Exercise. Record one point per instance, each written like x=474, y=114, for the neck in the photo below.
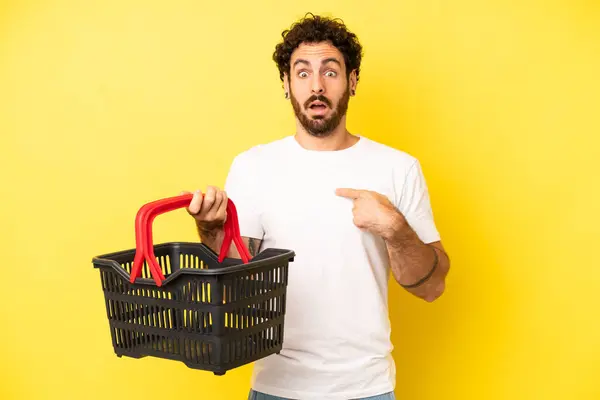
x=339, y=139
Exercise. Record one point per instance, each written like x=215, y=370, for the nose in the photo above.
x=317, y=85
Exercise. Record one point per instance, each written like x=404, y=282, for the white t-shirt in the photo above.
x=336, y=333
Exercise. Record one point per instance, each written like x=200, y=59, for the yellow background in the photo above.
x=109, y=104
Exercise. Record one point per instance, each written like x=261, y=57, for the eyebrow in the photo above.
x=332, y=59
x=325, y=61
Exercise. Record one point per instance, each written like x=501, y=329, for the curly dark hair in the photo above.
x=314, y=29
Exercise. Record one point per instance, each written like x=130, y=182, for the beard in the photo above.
x=321, y=126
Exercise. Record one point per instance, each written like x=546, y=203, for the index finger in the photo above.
x=196, y=203
x=348, y=192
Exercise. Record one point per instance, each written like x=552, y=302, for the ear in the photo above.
x=286, y=83
x=352, y=81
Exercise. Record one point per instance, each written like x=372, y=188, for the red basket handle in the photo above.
x=144, y=243
x=140, y=243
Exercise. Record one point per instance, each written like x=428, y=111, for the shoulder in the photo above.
x=262, y=153
x=265, y=150
x=391, y=157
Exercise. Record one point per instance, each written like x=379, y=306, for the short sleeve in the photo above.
x=415, y=205
x=242, y=189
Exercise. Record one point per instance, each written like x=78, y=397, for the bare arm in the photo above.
x=420, y=268
x=210, y=212
x=214, y=239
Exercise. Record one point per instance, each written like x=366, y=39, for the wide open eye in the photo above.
x=331, y=73
x=303, y=74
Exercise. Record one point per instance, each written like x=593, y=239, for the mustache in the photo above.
x=317, y=98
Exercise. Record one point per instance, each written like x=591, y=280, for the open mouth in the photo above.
x=317, y=106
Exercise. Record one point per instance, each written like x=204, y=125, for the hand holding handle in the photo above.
x=144, y=242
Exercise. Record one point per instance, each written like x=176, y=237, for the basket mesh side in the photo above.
x=254, y=314
x=217, y=320
x=193, y=351
x=253, y=346
x=156, y=307
x=242, y=286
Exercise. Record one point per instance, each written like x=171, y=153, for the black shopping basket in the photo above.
x=181, y=301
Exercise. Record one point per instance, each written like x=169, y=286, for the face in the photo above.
x=319, y=87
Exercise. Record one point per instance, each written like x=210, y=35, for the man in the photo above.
x=350, y=208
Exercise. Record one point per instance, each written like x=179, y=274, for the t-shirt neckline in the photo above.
x=328, y=153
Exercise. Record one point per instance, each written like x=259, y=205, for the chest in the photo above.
x=301, y=205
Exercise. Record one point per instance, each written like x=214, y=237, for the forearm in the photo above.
x=420, y=268
x=213, y=238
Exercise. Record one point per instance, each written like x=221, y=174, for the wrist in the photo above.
x=208, y=227
x=398, y=229
x=209, y=236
